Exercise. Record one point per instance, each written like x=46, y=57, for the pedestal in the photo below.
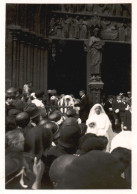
x=94, y=92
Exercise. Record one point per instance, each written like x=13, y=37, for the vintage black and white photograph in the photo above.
x=68, y=96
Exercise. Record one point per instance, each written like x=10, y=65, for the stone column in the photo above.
x=8, y=59
x=38, y=67
x=25, y=63
x=34, y=76
x=45, y=66
x=32, y=55
x=42, y=67
x=14, y=55
x=29, y=62
x=14, y=32
x=21, y=64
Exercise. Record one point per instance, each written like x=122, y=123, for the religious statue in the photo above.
x=52, y=30
x=83, y=31
x=74, y=28
x=128, y=32
x=117, y=9
x=94, y=53
x=95, y=21
x=59, y=27
x=121, y=32
x=89, y=7
x=66, y=27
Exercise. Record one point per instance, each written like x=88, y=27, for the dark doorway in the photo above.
x=67, y=73
x=116, y=68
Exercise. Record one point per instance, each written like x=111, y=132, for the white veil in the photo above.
x=93, y=117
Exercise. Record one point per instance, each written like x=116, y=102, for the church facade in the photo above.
x=69, y=47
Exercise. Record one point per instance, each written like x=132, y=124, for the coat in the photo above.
x=84, y=108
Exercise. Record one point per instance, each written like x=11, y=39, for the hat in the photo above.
x=69, y=136
x=32, y=110
x=70, y=121
x=43, y=121
x=18, y=169
x=22, y=119
x=51, y=125
x=13, y=112
x=91, y=142
x=71, y=112
x=12, y=165
x=94, y=170
x=58, y=166
x=55, y=116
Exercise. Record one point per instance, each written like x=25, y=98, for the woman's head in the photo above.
x=98, y=110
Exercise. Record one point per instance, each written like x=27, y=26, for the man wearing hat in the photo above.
x=23, y=122
x=94, y=170
x=10, y=119
x=91, y=142
x=129, y=98
x=72, y=116
x=58, y=166
x=34, y=114
x=109, y=110
x=67, y=143
x=117, y=106
x=84, y=106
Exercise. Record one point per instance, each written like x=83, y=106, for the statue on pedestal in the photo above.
x=94, y=53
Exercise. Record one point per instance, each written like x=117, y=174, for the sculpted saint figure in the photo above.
x=94, y=54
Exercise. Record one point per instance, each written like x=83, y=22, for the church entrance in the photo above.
x=116, y=68
x=67, y=68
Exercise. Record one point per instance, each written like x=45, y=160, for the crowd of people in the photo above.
x=60, y=142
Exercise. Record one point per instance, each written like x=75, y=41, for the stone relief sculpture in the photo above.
x=80, y=26
x=101, y=9
x=109, y=30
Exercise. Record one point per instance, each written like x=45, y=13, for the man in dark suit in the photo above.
x=109, y=110
x=84, y=106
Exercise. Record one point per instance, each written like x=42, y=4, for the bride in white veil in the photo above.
x=99, y=123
